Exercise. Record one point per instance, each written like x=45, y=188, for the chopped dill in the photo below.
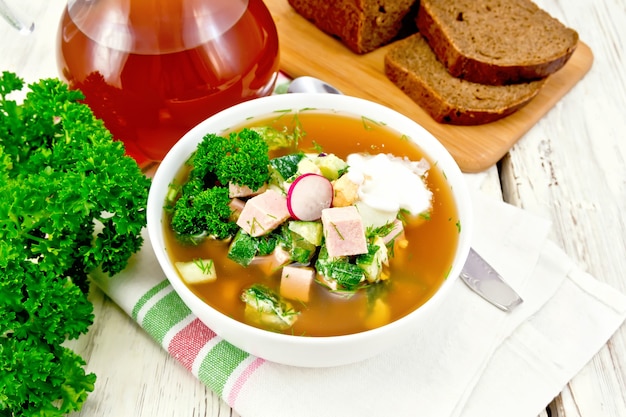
x=338, y=232
x=317, y=147
x=383, y=230
x=204, y=265
x=368, y=122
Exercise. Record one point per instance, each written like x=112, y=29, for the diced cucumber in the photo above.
x=243, y=248
x=312, y=232
x=330, y=165
x=198, y=271
x=300, y=250
x=275, y=139
x=267, y=309
x=372, y=262
x=302, y=255
x=286, y=166
x=346, y=275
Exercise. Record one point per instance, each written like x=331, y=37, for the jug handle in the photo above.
x=14, y=20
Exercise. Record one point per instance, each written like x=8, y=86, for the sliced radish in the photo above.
x=308, y=195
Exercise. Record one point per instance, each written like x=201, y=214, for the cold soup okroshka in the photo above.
x=301, y=259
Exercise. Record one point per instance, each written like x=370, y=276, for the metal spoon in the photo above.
x=481, y=277
x=306, y=84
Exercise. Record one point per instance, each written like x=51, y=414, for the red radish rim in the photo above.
x=296, y=181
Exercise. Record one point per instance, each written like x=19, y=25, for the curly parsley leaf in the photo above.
x=71, y=202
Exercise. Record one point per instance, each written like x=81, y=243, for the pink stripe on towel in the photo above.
x=241, y=380
x=187, y=343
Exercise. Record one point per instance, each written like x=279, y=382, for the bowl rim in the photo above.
x=264, y=106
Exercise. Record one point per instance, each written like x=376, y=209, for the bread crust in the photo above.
x=445, y=98
x=362, y=25
x=436, y=21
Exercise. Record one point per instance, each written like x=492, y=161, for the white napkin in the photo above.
x=471, y=359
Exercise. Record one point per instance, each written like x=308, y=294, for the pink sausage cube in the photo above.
x=272, y=262
x=236, y=206
x=263, y=213
x=295, y=282
x=235, y=190
x=344, y=231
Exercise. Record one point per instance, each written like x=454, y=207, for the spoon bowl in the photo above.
x=308, y=84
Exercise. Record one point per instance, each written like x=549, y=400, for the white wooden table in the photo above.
x=570, y=168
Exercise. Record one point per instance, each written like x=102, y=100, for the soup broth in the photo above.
x=416, y=271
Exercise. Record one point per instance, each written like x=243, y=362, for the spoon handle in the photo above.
x=483, y=279
x=14, y=20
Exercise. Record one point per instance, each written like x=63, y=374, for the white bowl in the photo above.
x=296, y=350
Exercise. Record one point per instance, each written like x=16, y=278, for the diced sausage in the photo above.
x=344, y=231
x=295, y=282
x=272, y=262
x=235, y=190
x=236, y=207
x=263, y=213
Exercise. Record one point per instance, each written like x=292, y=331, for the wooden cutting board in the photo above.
x=305, y=50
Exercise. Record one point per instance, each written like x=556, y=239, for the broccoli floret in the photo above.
x=241, y=158
x=205, y=213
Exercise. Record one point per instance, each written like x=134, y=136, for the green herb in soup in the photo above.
x=311, y=224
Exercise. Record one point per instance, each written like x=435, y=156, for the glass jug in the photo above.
x=152, y=69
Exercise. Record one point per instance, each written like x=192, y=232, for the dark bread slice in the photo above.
x=495, y=41
x=411, y=64
x=362, y=25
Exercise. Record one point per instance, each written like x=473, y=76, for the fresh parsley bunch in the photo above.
x=70, y=202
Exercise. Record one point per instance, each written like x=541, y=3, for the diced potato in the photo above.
x=295, y=282
x=198, y=271
x=345, y=192
x=312, y=232
x=379, y=315
x=306, y=166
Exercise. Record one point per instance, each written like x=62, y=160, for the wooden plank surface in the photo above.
x=305, y=50
x=570, y=168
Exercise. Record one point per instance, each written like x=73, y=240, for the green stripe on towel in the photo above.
x=166, y=313
x=219, y=364
x=147, y=296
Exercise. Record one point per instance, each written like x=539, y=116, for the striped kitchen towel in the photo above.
x=470, y=360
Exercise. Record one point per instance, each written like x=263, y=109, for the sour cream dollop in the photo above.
x=388, y=184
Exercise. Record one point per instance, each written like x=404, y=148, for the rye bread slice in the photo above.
x=362, y=25
x=495, y=41
x=411, y=64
